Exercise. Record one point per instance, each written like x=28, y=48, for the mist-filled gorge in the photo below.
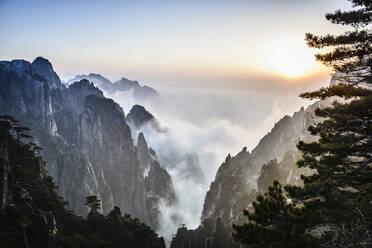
x=185, y=124
x=201, y=126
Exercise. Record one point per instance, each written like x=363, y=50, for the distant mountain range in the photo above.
x=126, y=85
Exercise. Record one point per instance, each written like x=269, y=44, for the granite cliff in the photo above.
x=87, y=142
x=33, y=215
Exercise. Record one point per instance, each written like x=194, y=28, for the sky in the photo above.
x=174, y=42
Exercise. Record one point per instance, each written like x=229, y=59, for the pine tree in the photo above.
x=275, y=222
x=350, y=52
x=341, y=188
x=93, y=203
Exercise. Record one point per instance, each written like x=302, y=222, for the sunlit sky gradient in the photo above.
x=175, y=42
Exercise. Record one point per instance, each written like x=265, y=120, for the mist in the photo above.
x=210, y=123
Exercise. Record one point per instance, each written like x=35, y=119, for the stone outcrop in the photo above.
x=139, y=116
x=140, y=119
x=160, y=192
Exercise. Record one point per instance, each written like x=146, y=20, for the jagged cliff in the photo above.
x=140, y=119
x=238, y=175
x=160, y=192
x=158, y=182
x=32, y=214
x=87, y=142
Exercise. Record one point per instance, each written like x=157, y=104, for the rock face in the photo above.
x=230, y=190
x=158, y=182
x=44, y=68
x=126, y=85
x=140, y=119
x=239, y=174
x=160, y=192
x=145, y=154
x=33, y=215
x=139, y=116
x=286, y=171
x=86, y=140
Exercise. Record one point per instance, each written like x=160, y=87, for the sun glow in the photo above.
x=289, y=58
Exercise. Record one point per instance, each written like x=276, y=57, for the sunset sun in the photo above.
x=289, y=58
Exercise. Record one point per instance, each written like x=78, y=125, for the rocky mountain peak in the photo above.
x=138, y=91
x=86, y=88
x=42, y=64
x=19, y=66
x=141, y=142
x=97, y=79
x=44, y=68
x=228, y=158
x=159, y=187
x=126, y=84
x=139, y=116
x=97, y=75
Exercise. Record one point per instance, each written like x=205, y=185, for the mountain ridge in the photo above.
x=121, y=85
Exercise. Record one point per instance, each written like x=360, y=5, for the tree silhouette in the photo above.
x=93, y=203
x=342, y=156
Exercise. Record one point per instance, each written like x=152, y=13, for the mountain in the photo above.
x=241, y=177
x=242, y=170
x=123, y=85
x=33, y=215
x=87, y=142
x=285, y=171
x=98, y=80
x=160, y=192
x=140, y=92
x=158, y=182
x=139, y=118
x=45, y=69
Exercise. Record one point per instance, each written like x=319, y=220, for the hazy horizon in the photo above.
x=172, y=42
